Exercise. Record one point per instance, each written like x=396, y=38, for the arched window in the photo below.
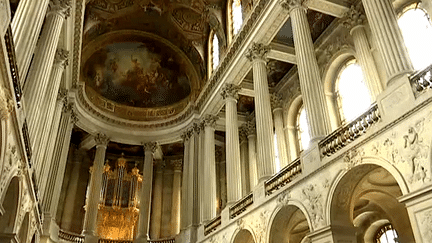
x=303, y=129
x=417, y=33
x=236, y=16
x=214, y=51
x=351, y=91
x=386, y=234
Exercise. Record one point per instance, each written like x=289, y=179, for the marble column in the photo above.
x=192, y=180
x=94, y=189
x=146, y=194
x=184, y=191
x=45, y=121
x=176, y=196
x=210, y=203
x=222, y=177
x=309, y=75
x=68, y=212
x=276, y=102
x=230, y=94
x=384, y=26
x=264, y=121
x=354, y=20
x=292, y=134
x=244, y=163
x=251, y=135
x=26, y=26
x=156, y=208
x=55, y=174
x=201, y=172
x=37, y=81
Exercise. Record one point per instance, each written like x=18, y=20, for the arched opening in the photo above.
x=364, y=200
x=23, y=231
x=289, y=226
x=244, y=236
x=10, y=206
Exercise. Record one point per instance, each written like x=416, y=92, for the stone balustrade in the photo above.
x=422, y=80
x=241, y=206
x=70, y=237
x=212, y=225
x=349, y=132
x=286, y=175
x=10, y=48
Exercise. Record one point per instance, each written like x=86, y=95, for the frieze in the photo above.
x=353, y=157
x=313, y=198
x=284, y=198
x=425, y=223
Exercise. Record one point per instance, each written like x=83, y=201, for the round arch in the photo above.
x=243, y=235
x=24, y=228
x=290, y=222
x=10, y=204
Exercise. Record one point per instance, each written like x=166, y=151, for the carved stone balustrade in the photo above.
x=240, y=206
x=169, y=240
x=212, y=225
x=348, y=133
x=10, y=48
x=71, y=237
x=286, y=175
x=114, y=241
x=422, y=80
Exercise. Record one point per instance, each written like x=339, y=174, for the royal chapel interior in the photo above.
x=215, y=121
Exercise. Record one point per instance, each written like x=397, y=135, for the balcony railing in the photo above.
x=114, y=241
x=169, y=240
x=212, y=225
x=71, y=237
x=284, y=176
x=348, y=133
x=241, y=205
x=13, y=65
x=422, y=80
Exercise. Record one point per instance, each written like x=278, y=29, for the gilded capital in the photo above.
x=353, y=17
x=230, y=91
x=257, y=51
x=210, y=120
x=177, y=164
x=150, y=147
x=101, y=139
x=292, y=4
x=61, y=6
x=61, y=57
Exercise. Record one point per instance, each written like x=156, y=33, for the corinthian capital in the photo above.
x=101, y=139
x=353, y=17
x=275, y=101
x=292, y=4
x=150, y=147
x=210, y=120
x=61, y=57
x=61, y=6
x=258, y=51
x=230, y=91
x=250, y=128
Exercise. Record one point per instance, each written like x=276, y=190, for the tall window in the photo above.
x=215, y=51
x=303, y=129
x=237, y=16
x=386, y=234
x=351, y=91
x=417, y=33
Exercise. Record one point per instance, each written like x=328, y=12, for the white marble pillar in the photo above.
x=210, y=203
x=201, y=172
x=176, y=196
x=222, y=177
x=264, y=121
x=292, y=134
x=35, y=86
x=45, y=121
x=309, y=75
x=276, y=102
x=146, y=194
x=94, y=189
x=193, y=202
x=156, y=208
x=251, y=135
x=384, y=26
x=354, y=20
x=184, y=190
x=230, y=94
x=55, y=174
x=26, y=26
x=244, y=161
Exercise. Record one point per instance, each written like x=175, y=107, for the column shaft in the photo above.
x=26, y=26
x=68, y=212
x=192, y=180
x=184, y=189
x=210, y=203
x=253, y=175
x=202, y=179
x=384, y=26
x=293, y=142
x=176, y=197
x=310, y=81
x=156, y=212
x=280, y=137
x=244, y=165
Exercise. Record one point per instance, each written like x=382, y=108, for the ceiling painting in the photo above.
x=140, y=74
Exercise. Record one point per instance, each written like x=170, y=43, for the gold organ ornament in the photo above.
x=119, y=202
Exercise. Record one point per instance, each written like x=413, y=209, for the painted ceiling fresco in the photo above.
x=141, y=74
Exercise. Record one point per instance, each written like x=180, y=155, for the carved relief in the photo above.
x=313, y=200
x=425, y=220
x=259, y=225
x=284, y=198
x=353, y=157
x=188, y=20
x=257, y=51
x=6, y=104
x=230, y=91
x=353, y=17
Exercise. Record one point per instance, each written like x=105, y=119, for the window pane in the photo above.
x=417, y=33
x=215, y=51
x=237, y=16
x=353, y=93
x=303, y=129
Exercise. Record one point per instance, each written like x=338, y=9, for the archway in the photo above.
x=244, y=236
x=10, y=206
x=289, y=226
x=364, y=199
x=23, y=231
